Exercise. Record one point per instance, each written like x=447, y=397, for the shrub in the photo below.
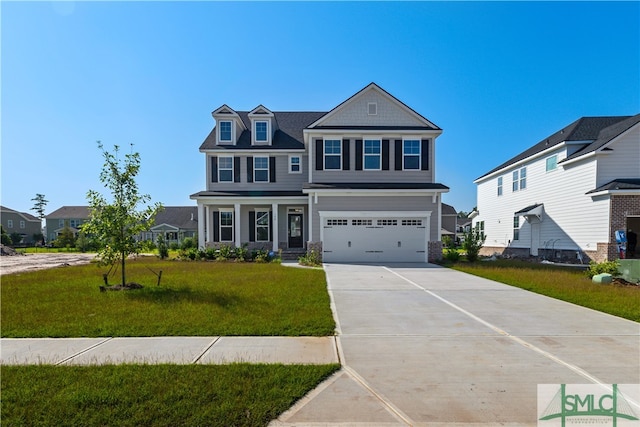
x=174, y=246
x=224, y=253
x=242, y=253
x=311, y=259
x=188, y=243
x=473, y=241
x=610, y=267
x=447, y=241
x=163, y=250
x=210, y=253
x=452, y=255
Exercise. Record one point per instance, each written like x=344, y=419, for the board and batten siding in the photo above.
x=572, y=219
x=375, y=203
x=284, y=181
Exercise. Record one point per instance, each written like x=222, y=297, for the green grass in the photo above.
x=193, y=299
x=566, y=284
x=154, y=395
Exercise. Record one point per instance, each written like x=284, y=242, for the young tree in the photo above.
x=115, y=225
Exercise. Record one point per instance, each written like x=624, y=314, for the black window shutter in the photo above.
x=216, y=226
x=236, y=169
x=385, y=154
x=249, y=169
x=271, y=225
x=272, y=169
x=346, y=159
x=252, y=226
x=358, y=154
x=424, y=154
x=319, y=155
x=214, y=169
x=398, y=154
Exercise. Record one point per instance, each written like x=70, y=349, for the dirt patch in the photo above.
x=31, y=262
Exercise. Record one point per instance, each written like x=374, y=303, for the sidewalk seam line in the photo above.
x=197, y=359
x=73, y=356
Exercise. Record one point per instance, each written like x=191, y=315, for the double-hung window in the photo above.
x=411, y=154
x=372, y=154
x=22, y=224
x=262, y=226
x=225, y=169
x=295, y=164
x=226, y=226
x=9, y=223
x=262, y=129
x=260, y=169
x=333, y=154
x=500, y=186
x=225, y=131
x=552, y=163
x=516, y=228
x=519, y=179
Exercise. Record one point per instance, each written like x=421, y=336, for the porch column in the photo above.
x=201, y=220
x=236, y=224
x=274, y=226
x=310, y=220
x=209, y=226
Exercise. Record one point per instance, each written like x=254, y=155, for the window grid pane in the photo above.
x=411, y=154
x=261, y=131
x=332, y=151
x=225, y=131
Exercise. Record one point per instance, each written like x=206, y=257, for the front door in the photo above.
x=295, y=231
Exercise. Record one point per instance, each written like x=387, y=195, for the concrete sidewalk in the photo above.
x=423, y=345
x=171, y=350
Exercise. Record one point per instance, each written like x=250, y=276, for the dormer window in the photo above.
x=226, y=131
x=262, y=131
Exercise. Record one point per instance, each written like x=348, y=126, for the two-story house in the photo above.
x=20, y=223
x=567, y=195
x=174, y=224
x=355, y=184
x=66, y=216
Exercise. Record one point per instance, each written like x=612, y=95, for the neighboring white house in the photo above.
x=355, y=184
x=565, y=197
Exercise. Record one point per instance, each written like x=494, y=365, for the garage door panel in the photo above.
x=374, y=240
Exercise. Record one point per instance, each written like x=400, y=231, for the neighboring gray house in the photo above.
x=66, y=216
x=355, y=184
x=174, y=223
x=449, y=221
x=20, y=222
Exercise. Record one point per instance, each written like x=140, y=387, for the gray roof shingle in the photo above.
x=619, y=184
x=183, y=217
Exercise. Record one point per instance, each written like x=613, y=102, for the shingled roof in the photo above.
x=595, y=132
x=183, y=217
x=288, y=135
x=76, y=212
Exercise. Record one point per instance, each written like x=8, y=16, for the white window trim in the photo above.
x=324, y=154
x=291, y=164
x=226, y=169
x=23, y=224
x=523, y=179
x=220, y=140
x=255, y=169
x=515, y=180
x=255, y=133
x=516, y=228
x=375, y=108
x=364, y=155
x=419, y=154
x=9, y=223
x=268, y=212
x=546, y=164
x=232, y=226
x=500, y=191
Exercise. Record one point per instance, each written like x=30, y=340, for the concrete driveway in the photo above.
x=423, y=345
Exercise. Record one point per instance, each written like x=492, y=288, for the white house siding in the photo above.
x=624, y=159
x=355, y=112
x=572, y=220
x=285, y=181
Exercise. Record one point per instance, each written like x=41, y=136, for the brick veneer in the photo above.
x=620, y=207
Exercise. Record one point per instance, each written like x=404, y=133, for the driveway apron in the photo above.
x=424, y=345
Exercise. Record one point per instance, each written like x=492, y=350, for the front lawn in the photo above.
x=154, y=395
x=193, y=299
x=567, y=284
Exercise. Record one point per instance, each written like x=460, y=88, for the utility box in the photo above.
x=602, y=278
x=629, y=270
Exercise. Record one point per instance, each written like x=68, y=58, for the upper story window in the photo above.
x=61, y=223
x=552, y=163
x=372, y=154
x=500, y=186
x=22, y=224
x=261, y=131
x=519, y=179
x=295, y=164
x=226, y=132
x=9, y=223
x=260, y=169
x=332, y=154
x=411, y=154
x=225, y=169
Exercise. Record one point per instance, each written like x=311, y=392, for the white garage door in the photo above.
x=349, y=238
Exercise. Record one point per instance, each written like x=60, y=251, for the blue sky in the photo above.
x=496, y=77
